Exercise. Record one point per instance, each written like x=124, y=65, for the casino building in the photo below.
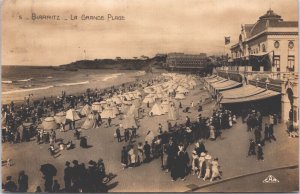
x=265, y=63
x=270, y=44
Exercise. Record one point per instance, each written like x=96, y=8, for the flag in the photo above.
x=227, y=40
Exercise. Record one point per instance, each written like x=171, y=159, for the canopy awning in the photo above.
x=217, y=79
x=225, y=85
x=261, y=96
x=211, y=77
x=242, y=92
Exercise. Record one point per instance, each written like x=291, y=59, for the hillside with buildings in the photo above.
x=144, y=63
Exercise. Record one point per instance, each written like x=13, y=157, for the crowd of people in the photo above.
x=255, y=124
x=169, y=146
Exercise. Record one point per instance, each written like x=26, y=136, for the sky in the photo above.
x=150, y=27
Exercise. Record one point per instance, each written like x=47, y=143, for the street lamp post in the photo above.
x=267, y=82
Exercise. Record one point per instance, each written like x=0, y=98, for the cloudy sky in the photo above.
x=150, y=27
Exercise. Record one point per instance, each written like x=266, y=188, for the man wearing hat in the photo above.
x=75, y=174
x=68, y=177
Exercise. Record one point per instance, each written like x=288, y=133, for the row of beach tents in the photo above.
x=129, y=104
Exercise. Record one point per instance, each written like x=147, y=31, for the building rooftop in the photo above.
x=268, y=20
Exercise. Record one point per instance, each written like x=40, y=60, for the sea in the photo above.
x=21, y=82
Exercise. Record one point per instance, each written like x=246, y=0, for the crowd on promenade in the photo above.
x=170, y=146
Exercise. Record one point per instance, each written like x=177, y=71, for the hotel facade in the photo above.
x=186, y=61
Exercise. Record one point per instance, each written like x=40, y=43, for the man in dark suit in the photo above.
x=23, y=182
x=147, y=151
x=68, y=177
x=10, y=185
x=118, y=133
x=271, y=132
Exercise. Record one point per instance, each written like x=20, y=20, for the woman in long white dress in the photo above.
x=215, y=170
x=132, y=157
x=212, y=134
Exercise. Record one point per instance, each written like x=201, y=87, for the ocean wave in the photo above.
x=44, y=88
x=14, y=81
x=141, y=73
x=24, y=80
x=27, y=90
x=72, y=84
x=7, y=82
x=115, y=75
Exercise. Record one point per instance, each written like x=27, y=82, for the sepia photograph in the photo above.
x=149, y=96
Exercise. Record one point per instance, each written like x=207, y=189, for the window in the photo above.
x=291, y=63
x=264, y=48
x=276, y=44
x=276, y=60
x=291, y=44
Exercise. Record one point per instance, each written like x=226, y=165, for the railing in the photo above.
x=269, y=74
x=265, y=85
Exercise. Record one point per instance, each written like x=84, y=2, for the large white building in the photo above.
x=270, y=44
x=266, y=56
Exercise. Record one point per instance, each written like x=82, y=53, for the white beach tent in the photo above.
x=60, y=117
x=116, y=100
x=86, y=110
x=115, y=110
x=173, y=114
x=72, y=115
x=165, y=106
x=156, y=110
x=179, y=96
x=129, y=122
x=149, y=99
x=148, y=90
x=108, y=112
x=49, y=123
x=90, y=122
x=96, y=106
x=181, y=89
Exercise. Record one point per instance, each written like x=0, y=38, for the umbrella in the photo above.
x=27, y=124
x=48, y=170
x=60, y=117
x=72, y=115
x=49, y=123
